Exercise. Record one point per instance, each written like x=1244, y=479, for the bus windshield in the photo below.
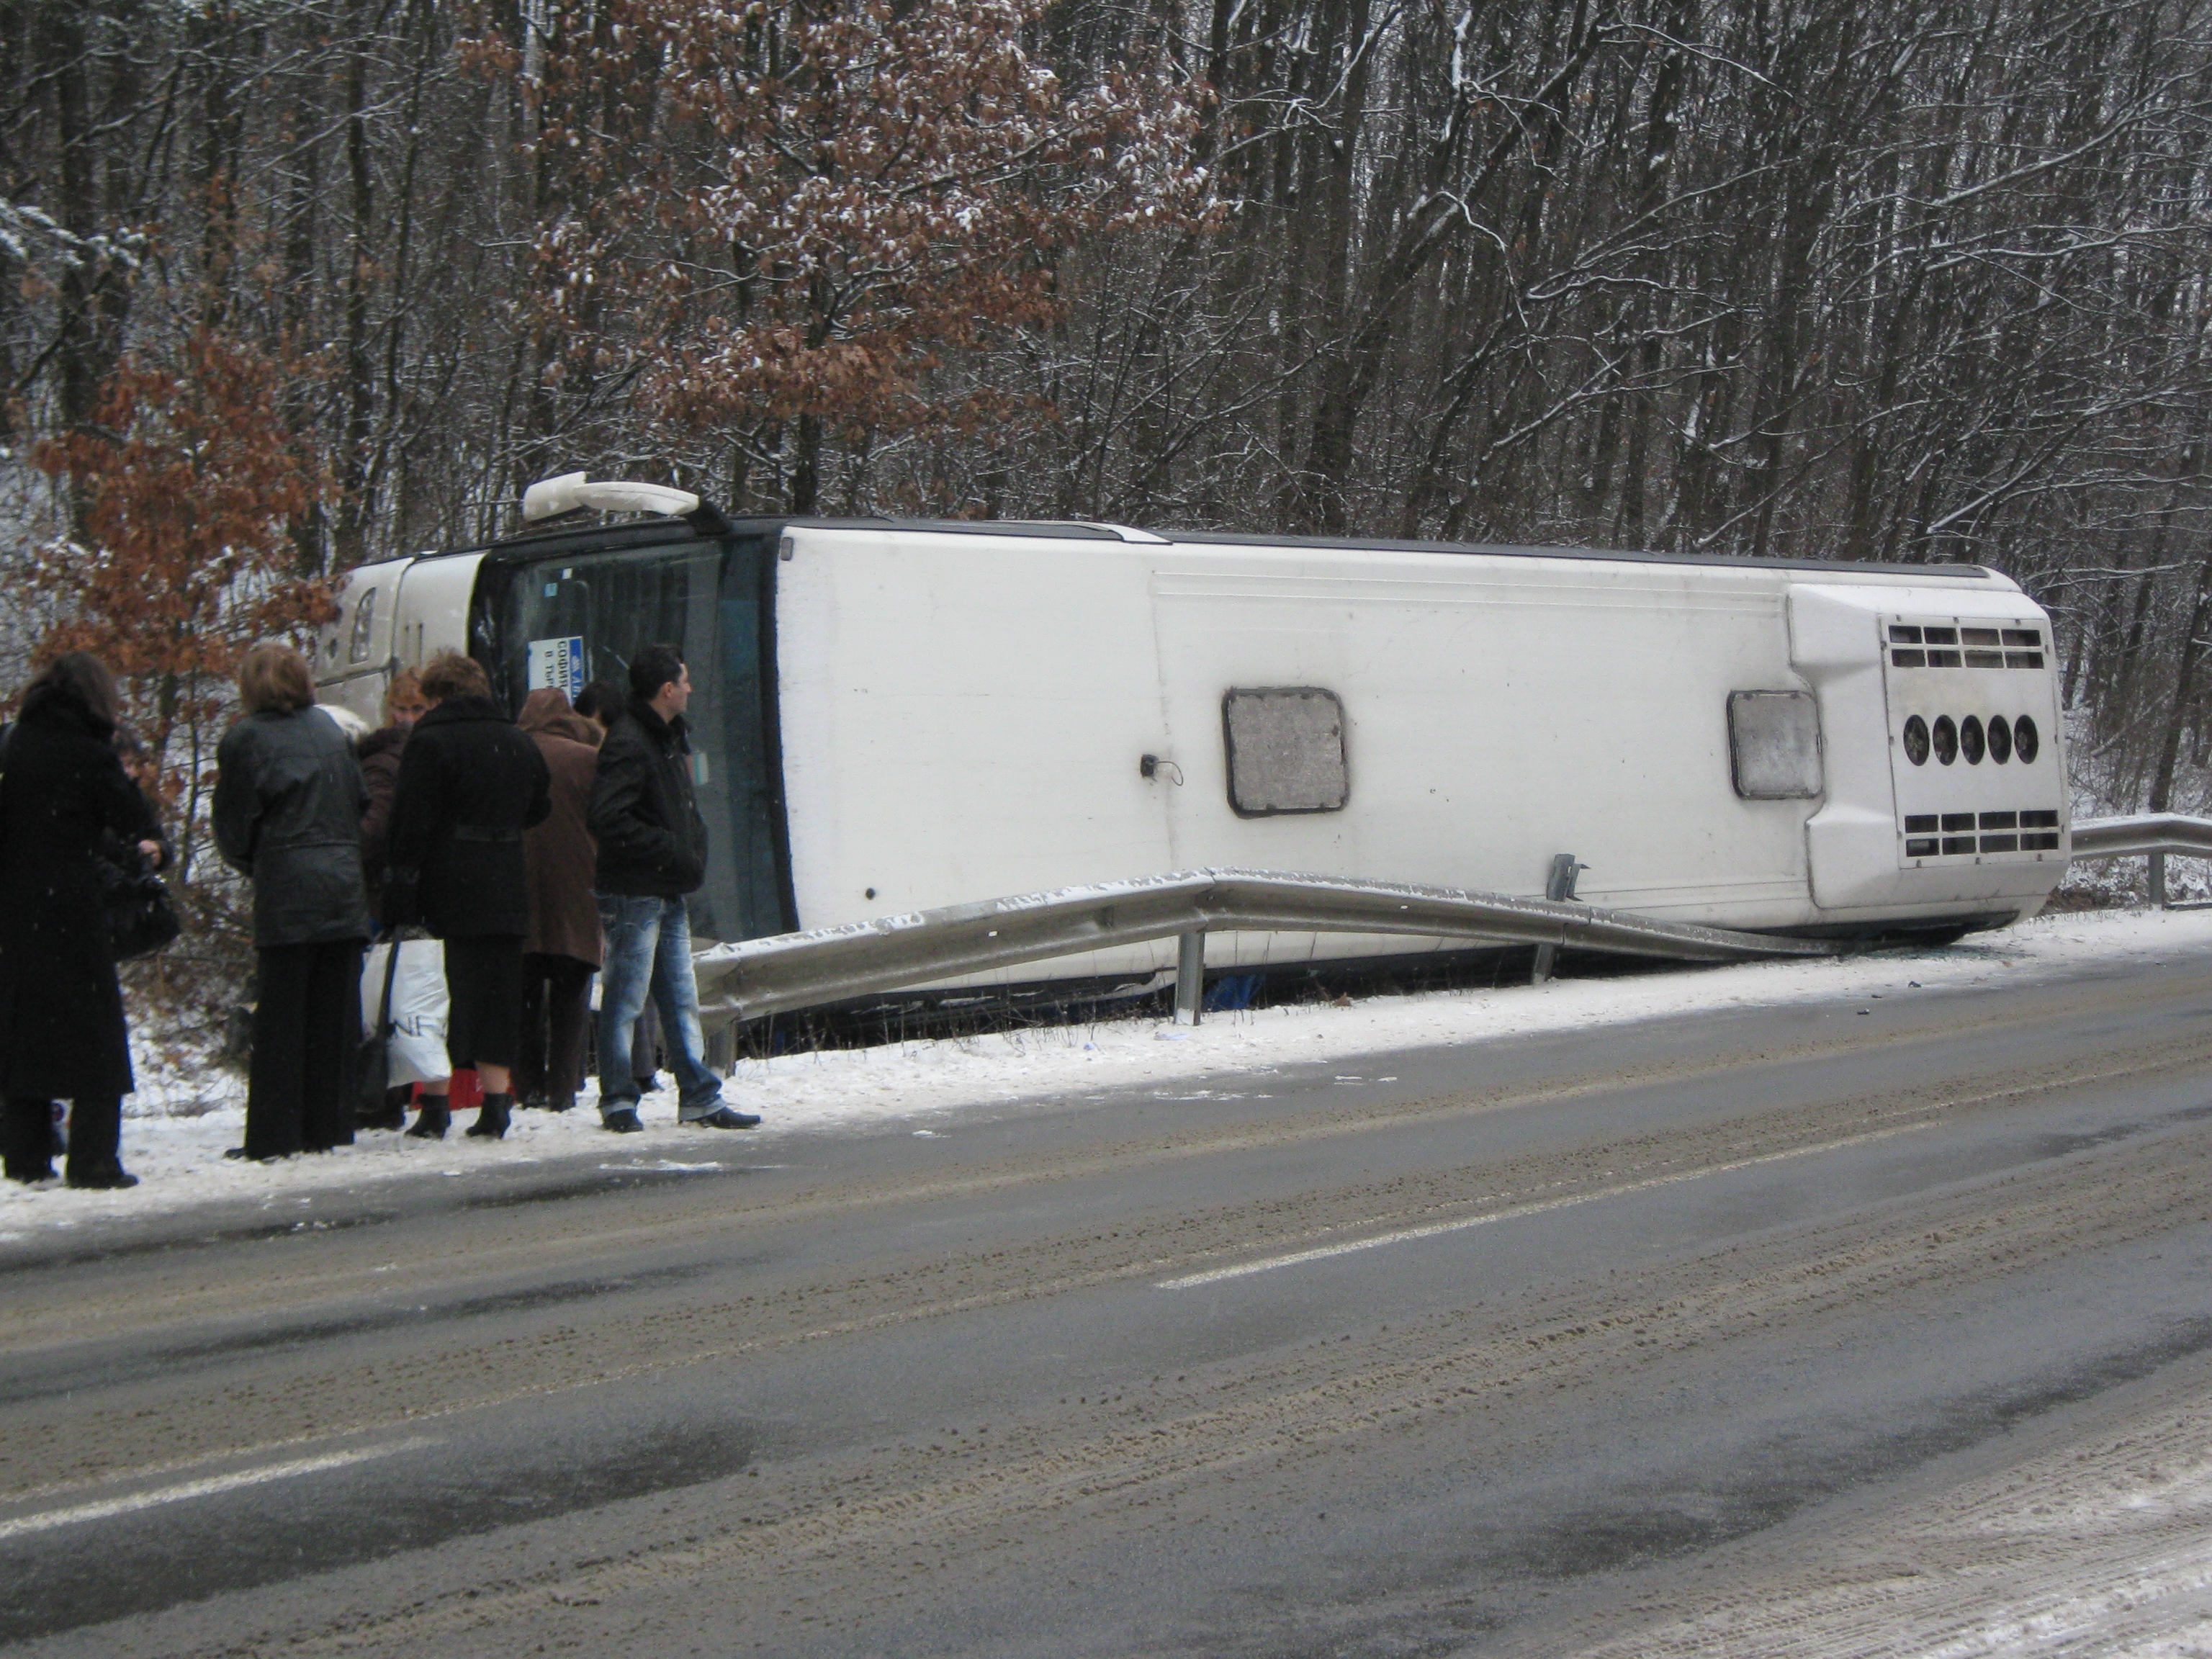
x=567, y=618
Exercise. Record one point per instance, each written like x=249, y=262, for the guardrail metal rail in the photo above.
x=2157, y=836
x=790, y=971
x=888, y=953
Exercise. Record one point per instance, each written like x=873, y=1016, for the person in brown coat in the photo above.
x=563, y=949
x=379, y=752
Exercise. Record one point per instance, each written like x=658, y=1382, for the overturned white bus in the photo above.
x=893, y=716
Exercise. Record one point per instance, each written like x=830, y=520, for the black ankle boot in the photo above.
x=433, y=1120
x=95, y=1126
x=491, y=1120
x=99, y=1177
x=26, y=1139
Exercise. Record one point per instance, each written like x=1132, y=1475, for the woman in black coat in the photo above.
x=62, y=791
x=288, y=805
x=470, y=784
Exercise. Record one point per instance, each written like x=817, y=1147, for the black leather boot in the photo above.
x=491, y=1120
x=433, y=1120
x=95, y=1128
x=27, y=1131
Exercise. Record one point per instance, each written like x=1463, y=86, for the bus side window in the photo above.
x=1774, y=744
x=364, y=624
x=1285, y=750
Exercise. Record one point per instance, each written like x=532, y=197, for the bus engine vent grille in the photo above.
x=1951, y=835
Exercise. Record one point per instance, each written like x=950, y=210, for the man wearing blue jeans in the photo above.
x=653, y=852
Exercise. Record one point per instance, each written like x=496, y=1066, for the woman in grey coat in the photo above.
x=288, y=805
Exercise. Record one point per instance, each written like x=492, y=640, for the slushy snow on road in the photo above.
x=175, y=1136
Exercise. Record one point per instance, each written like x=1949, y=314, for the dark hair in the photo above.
x=82, y=679
x=450, y=674
x=601, y=701
x=127, y=743
x=651, y=669
x=275, y=677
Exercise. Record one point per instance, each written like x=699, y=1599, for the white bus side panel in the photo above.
x=963, y=718
x=420, y=607
x=1499, y=711
x=353, y=654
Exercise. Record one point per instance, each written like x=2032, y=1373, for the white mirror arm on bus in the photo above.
x=548, y=498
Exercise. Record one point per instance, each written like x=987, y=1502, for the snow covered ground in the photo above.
x=174, y=1139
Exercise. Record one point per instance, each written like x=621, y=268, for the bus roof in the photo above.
x=638, y=533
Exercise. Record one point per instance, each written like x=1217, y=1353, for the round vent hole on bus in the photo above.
x=2000, y=740
x=2026, y=741
x=1970, y=739
x=1916, y=740
x=1945, y=738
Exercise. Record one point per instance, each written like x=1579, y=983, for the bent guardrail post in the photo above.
x=1190, y=977
x=763, y=976
x=1559, y=884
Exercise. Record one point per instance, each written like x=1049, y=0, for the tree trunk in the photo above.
x=350, y=543
x=806, y=468
x=2178, y=711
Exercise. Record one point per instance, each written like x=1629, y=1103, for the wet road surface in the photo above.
x=1511, y=1348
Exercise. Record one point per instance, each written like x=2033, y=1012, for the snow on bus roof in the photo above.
x=656, y=531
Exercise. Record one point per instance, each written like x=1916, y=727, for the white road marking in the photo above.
x=1434, y=1229
x=203, y=1488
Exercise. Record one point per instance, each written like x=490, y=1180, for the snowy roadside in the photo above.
x=174, y=1142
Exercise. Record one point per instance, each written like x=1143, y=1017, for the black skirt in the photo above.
x=483, y=978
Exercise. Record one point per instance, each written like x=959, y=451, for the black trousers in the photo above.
x=95, y=1127
x=306, y=1029
x=27, y=1136
x=556, y=1016
x=94, y=1138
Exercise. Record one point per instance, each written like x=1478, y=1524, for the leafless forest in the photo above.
x=1839, y=279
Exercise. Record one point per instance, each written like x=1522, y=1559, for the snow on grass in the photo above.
x=175, y=1142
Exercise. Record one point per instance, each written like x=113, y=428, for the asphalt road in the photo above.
x=1529, y=1348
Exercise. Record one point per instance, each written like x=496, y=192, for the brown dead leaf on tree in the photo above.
x=811, y=206
x=186, y=482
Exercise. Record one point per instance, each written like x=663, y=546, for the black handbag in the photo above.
x=134, y=903
x=135, y=909
x=373, y=1060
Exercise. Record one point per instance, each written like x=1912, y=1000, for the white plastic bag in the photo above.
x=416, y=1053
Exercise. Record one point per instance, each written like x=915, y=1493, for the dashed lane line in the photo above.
x=49, y=1519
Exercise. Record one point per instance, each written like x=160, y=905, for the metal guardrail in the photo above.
x=2159, y=834
x=788, y=971
x=888, y=953
x=2144, y=832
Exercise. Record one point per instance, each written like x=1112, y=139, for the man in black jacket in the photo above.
x=653, y=852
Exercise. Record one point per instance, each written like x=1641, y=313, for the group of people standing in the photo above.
x=538, y=852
